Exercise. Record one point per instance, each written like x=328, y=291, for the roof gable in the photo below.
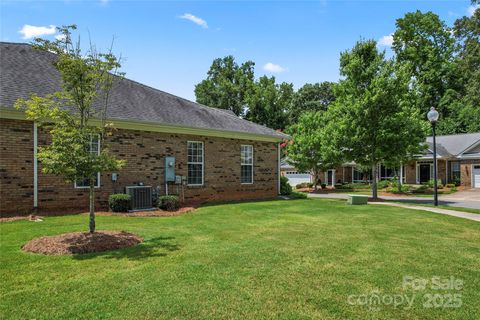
x=455, y=144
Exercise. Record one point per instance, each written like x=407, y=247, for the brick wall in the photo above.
x=16, y=166
x=466, y=172
x=144, y=153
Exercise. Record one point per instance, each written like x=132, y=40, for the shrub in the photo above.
x=431, y=182
x=347, y=186
x=119, y=202
x=323, y=185
x=304, y=185
x=298, y=195
x=169, y=203
x=285, y=187
x=421, y=189
x=383, y=184
x=394, y=189
x=450, y=185
x=301, y=185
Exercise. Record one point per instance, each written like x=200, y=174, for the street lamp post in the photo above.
x=433, y=117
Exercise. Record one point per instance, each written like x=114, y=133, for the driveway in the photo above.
x=466, y=199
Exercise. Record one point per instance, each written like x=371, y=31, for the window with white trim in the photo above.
x=455, y=170
x=195, y=163
x=93, y=148
x=246, y=170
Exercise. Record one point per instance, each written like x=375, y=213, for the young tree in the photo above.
x=227, y=85
x=311, y=149
x=374, y=119
x=86, y=81
x=311, y=97
x=268, y=102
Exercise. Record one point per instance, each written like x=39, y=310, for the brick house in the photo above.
x=458, y=160
x=220, y=156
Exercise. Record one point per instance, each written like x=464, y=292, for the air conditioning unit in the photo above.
x=141, y=196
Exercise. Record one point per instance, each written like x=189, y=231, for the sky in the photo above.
x=170, y=45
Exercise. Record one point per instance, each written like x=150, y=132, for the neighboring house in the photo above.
x=458, y=159
x=220, y=156
x=294, y=177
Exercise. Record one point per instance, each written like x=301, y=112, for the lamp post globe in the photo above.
x=432, y=116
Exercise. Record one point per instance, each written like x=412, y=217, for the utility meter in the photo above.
x=169, y=169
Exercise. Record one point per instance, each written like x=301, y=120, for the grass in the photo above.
x=443, y=206
x=296, y=259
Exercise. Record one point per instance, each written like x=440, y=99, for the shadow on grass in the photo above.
x=151, y=248
x=266, y=200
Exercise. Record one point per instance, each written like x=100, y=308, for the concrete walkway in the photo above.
x=465, y=199
x=459, y=214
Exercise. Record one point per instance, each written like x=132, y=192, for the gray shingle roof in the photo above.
x=453, y=145
x=24, y=70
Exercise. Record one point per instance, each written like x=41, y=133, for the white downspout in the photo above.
x=446, y=172
x=35, y=165
x=401, y=173
x=278, y=167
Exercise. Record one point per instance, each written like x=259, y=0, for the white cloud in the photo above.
x=273, y=68
x=472, y=9
x=386, y=41
x=60, y=37
x=194, y=19
x=29, y=31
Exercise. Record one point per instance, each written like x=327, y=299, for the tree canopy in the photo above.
x=227, y=85
x=373, y=120
x=311, y=149
x=311, y=97
x=268, y=102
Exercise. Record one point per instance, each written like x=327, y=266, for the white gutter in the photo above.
x=35, y=165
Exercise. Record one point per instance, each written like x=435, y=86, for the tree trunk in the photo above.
x=92, y=205
x=315, y=179
x=374, y=182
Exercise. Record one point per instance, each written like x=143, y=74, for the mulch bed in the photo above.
x=16, y=218
x=147, y=213
x=82, y=242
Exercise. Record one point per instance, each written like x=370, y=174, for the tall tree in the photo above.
x=268, y=102
x=374, y=121
x=227, y=85
x=466, y=103
x=86, y=81
x=423, y=44
x=311, y=97
x=311, y=149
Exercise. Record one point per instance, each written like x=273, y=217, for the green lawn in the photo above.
x=296, y=259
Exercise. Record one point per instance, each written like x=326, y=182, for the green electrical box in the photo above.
x=357, y=199
x=169, y=169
